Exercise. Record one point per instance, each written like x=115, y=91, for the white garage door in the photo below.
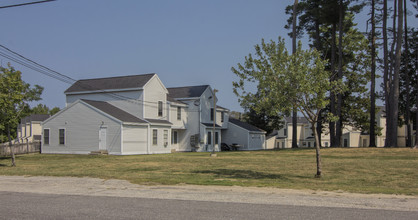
x=134, y=140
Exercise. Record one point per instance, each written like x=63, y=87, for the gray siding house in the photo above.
x=139, y=115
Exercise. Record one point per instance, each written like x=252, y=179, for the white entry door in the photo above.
x=102, y=139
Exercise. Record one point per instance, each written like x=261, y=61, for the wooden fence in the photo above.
x=23, y=148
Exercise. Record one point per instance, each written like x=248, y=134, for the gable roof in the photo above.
x=244, y=125
x=187, y=92
x=114, y=111
x=110, y=83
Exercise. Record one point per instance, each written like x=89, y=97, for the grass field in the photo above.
x=364, y=170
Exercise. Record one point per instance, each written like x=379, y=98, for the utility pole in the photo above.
x=213, y=154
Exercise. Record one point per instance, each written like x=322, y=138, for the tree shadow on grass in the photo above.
x=4, y=159
x=240, y=174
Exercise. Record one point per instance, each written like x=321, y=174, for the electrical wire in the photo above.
x=20, y=59
x=27, y=3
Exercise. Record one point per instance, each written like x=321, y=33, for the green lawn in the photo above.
x=364, y=170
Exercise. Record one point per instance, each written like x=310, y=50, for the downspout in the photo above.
x=148, y=139
x=248, y=141
x=200, y=119
x=121, y=138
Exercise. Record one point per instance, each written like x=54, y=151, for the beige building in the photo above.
x=30, y=128
x=352, y=137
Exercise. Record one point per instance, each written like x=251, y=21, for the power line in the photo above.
x=20, y=59
x=64, y=77
x=27, y=3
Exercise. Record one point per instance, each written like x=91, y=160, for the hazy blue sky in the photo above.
x=186, y=42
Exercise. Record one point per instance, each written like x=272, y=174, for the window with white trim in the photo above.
x=62, y=136
x=160, y=109
x=154, y=136
x=165, y=137
x=174, y=139
x=209, y=137
x=46, y=136
x=178, y=113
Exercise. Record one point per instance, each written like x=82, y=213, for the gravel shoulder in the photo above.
x=228, y=194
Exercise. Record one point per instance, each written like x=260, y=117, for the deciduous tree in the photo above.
x=275, y=71
x=14, y=97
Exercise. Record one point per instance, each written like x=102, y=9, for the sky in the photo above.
x=186, y=42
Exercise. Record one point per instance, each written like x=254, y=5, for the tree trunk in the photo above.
x=10, y=146
x=318, y=46
x=386, y=70
x=339, y=126
x=416, y=109
x=407, y=107
x=332, y=95
x=294, y=129
x=416, y=112
x=318, y=152
x=395, y=86
x=372, y=142
x=295, y=113
x=319, y=127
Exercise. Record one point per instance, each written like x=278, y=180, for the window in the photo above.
x=46, y=136
x=285, y=132
x=179, y=113
x=174, y=137
x=222, y=116
x=165, y=137
x=62, y=136
x=326, y=144
x=209, y=138
x=211, y=114
x=216, y=138
x=154, y=136
x=160, y=109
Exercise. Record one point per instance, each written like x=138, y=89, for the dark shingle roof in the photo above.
x=35, y=117
x=220, y=107
x=187, y=92
x=301, y=120
x=245, y=125
x=171, y=99
x=158, y=121
x=114, y=111
x=211, y=125
x=120, y=82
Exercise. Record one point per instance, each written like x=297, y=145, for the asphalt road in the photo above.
x=18, y=205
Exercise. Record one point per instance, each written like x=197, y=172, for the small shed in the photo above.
x=246, y=136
